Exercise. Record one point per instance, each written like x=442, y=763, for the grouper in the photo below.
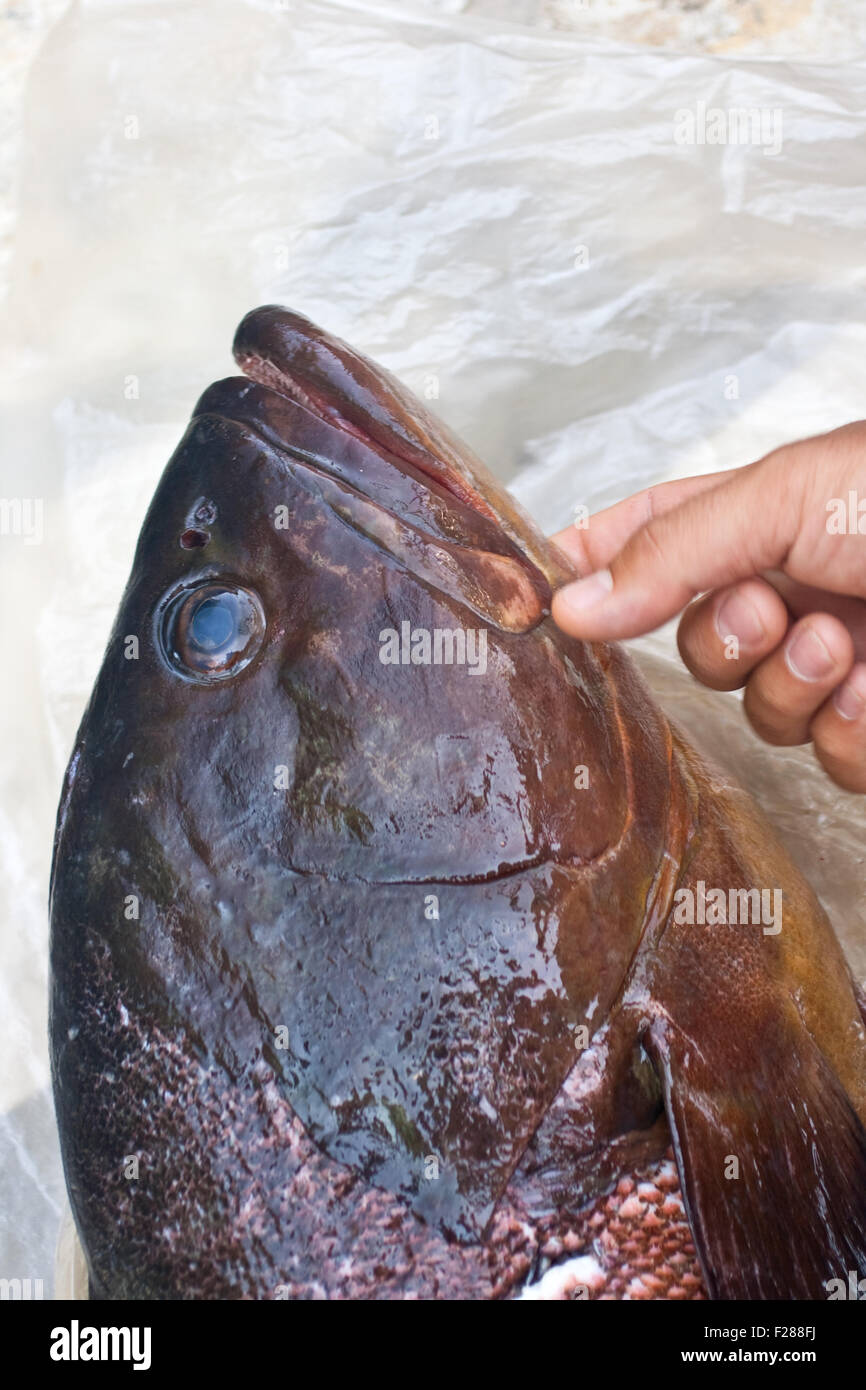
x=401, y=947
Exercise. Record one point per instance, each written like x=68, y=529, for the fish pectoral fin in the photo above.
x=772, y=1162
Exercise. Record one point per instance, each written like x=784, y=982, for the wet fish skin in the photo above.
x=283, y=829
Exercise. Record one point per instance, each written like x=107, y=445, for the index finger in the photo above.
x=592, y=547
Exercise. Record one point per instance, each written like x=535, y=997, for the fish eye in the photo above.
x=213, y=631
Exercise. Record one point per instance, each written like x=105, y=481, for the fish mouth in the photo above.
x=386, y=466
x=328, y=403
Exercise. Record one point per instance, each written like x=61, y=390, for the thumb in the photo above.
x=731, y=532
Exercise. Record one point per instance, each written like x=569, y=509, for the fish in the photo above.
x=401, y=947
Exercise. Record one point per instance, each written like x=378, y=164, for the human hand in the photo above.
x=776, y=552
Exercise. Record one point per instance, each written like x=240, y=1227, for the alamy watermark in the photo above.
x=441, y=646
x=853, y=1288
x=760, y=126
x=21, y=1290
x=846, y=516
x=715, y=907
x=22, y=516
x=77, y=1343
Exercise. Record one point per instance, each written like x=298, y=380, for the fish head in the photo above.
x=332, y=609
x=345, y=801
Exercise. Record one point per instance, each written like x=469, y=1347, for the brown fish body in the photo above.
x=368, y=978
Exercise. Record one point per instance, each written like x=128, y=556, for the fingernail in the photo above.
x=738, y=617
x=850, y=697
x=586, y=593
x=807, y=656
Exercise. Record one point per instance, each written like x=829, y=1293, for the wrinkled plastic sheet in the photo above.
x=503, y=217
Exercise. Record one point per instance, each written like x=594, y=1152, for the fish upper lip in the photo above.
x=253, y=421
x=421, y=516
x=282, y=350
x=284, y=383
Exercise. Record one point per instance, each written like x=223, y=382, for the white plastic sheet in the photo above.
x=506, y=219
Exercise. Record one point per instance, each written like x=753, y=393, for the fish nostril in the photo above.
x=205, y=511
x=192, y=539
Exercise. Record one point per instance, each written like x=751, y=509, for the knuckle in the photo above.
x=649, y=539
x=770, y=717
x=838, y=743
x=698, y=647
x=765, y=699
x=850, y=776
x=840, y=749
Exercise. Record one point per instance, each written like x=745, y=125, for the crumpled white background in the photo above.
x=500, y=215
